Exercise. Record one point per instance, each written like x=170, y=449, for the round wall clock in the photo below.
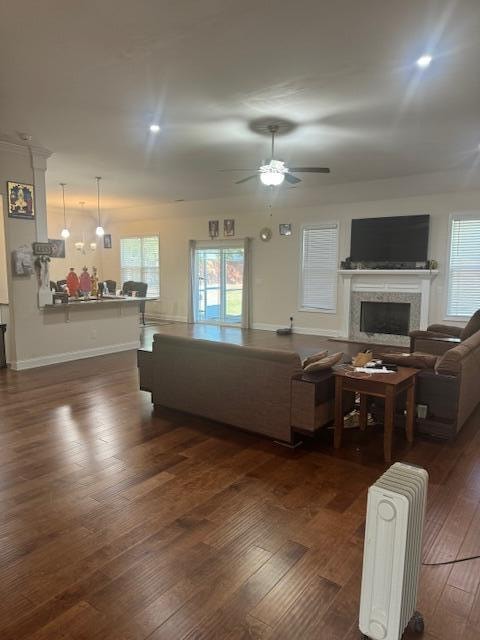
x=265, y=234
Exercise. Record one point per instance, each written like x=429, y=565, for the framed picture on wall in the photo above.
x=107, y=241
x=229, y=228
x=58, y=248
x=20, y=200
x=213, y=228
x=285, y=229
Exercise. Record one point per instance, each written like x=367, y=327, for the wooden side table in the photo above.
x=386, y=386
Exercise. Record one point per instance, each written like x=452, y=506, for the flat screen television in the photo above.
x=397, y=239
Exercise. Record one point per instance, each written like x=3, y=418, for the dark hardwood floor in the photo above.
x=118, y=524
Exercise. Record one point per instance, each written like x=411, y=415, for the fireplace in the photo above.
x=391, y=318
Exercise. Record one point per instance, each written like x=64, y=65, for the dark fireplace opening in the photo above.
x=385, y=317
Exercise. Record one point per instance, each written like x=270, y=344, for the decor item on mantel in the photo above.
x=213, y=228
x=20, y=200
x=229, y=228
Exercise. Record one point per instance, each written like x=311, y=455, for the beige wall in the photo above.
x=275, y=264
x=36, y=336
x=82, y=228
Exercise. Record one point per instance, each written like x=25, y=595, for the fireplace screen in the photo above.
x=385, y=317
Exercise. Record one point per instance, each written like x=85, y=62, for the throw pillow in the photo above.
x=325, y=363
x=473, y=325
x=314, y=358
x=414, y=360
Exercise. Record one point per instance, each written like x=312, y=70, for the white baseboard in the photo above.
x=164, y=316
x=309, y=331
x=56, y=358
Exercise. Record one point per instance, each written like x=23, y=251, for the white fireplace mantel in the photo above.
x=389, y=281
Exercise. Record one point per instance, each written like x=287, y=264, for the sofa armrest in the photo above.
x=448, y=330
x=428, y=342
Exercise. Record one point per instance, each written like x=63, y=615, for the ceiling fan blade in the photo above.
x=232, y=170
x=309, y=169
x=245, y=179
x=291, y=179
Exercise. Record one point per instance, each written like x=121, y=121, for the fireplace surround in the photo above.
x=390, y=286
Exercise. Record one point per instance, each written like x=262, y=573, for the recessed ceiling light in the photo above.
x=154, y=128
x=424, y=61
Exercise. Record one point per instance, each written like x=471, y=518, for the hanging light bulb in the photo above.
x=65, y=233
x=100, y=231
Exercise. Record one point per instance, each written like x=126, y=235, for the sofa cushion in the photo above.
x=415, y=360
x=325, y=363
x=314, y=358
x=472, y=326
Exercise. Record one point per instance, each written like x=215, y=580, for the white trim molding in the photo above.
x=388, y=281
x=42, y=361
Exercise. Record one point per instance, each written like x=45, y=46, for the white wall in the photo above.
x=275, y=264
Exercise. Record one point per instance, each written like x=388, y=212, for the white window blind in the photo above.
x=140, y=261
x=464, y=266
x=319, y=267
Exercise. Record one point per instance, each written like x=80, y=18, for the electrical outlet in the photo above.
x=93, y=334
x=422, y=411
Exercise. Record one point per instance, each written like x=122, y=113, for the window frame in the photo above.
x=474, y=215
x=140, y=236
x=305, y=227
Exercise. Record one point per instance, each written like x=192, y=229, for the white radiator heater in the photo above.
x=392, y=553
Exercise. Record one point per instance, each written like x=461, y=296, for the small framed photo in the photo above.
x=58, y=248
x=107, y=241
x=213, y=228
x=285, y=229
x=20, y=200
x=229, y=228
x=42, y=249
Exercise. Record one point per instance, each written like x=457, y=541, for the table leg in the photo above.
x=388, y=424
x=337, y=439
x=410, y=417
x=363, y=411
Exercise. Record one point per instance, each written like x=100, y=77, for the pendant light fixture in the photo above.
x=100, y=231
x=80, y=245
x=65, y=233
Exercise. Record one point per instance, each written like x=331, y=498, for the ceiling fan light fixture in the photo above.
x=273, y=174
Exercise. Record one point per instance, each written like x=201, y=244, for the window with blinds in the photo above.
x=318, y=277
x=463, y=291
x=140, y=261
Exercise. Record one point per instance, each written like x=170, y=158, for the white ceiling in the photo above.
x=85, y=79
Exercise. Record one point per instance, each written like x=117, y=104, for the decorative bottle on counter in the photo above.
x=94, y=280
x=73, y=282
x=85, y=282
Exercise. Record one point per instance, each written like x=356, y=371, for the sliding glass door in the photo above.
x=219, y=285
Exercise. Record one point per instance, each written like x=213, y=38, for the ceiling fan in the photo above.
x=275, y=172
